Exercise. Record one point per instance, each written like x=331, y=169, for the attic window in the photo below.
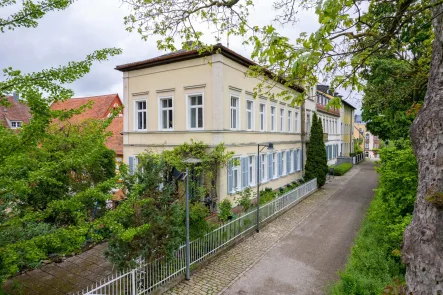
x=16, y=124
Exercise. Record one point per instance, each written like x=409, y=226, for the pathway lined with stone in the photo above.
x=233, y=272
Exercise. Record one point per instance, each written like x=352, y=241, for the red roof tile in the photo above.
x=101, y=107
x=16, y=111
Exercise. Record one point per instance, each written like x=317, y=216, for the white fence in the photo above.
x=149, y=276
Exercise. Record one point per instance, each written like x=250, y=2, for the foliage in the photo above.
x=357, y=145
x=375, y=258
x=245, y=199
x=316, y=161
x=225, y=208
x=211, y=161
x=149, y=224
x=198, y=226
x=342, y=168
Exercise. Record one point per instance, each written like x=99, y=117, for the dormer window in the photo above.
x=16, y=124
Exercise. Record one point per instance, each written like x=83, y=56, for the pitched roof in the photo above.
x=100, y=109
x=182, y=55
x=16, y=111
x=324, y=89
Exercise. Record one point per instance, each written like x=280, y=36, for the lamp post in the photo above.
x=187, y=247
x=270, y=147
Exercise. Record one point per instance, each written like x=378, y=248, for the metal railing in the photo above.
x=148, y=276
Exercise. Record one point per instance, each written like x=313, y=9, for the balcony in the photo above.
x=322, y=108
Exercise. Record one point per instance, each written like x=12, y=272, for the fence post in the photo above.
x=133, y=287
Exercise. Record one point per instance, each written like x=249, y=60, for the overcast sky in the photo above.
x=88, y=25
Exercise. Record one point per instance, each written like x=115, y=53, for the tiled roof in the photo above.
x=16, y=111
x=100, y=109
x=115, y=142
x=182, y=55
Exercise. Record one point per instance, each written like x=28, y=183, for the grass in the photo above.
x=342, y=168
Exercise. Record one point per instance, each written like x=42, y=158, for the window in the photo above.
x=249, y=115
x=234, y=113
x=166, y=113
x=233, y=175
x=282, y=120
x=288, y=162
x=251, y=170
x=289, y=121
x=296, y=122
x=273, y=119
x=195, y=111
x=367, y=136
x=274, y=165
x=262, y=167
x=262, y=117
x=366, y=145
x=308, y=123
x=140, y=109
x=283, y=164
x=16, y=124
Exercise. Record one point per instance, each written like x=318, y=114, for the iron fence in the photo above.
x=149, y=276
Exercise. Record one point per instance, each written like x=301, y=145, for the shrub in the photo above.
x=245, y=199
x=225, y=210
x=316, y=161
x=198, y=226
x=342, y=168
x=375, y=264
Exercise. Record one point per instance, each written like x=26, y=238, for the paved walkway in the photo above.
x=298, y=253
x=73, y=274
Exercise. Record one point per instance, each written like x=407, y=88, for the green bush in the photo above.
x=245, y=199
x=342, y=168
x=316, y=159
x=225, y=210
x=375, y=260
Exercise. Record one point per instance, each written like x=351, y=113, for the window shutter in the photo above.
x=270, y=176
x=244, y=172
x=288, y=162
x=300, y=159
x=280, y=166
x=131, y=165
x=230, y=178
x=294, y=160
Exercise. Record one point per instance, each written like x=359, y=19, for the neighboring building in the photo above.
x=347, y=118
x=180, y=96
x=331, y=123
x=14, y=115
x=101, y=109
x=371, y=143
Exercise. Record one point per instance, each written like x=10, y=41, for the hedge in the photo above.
x=342, y=168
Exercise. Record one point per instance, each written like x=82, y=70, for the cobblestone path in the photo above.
x=220, y=273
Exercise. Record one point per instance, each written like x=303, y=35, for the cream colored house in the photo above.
x=177, y=97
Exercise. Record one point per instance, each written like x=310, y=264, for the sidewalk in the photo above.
x=233, y=265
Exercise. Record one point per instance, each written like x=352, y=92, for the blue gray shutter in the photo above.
x=301, y=161
x=288, y=162
x=294, y=160
x=280, y=166
x=131, y=165
x=270, y=176
x=230, y=177
x=244, y=172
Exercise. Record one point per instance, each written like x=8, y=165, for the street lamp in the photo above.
x=270, y=147
x=188, y=248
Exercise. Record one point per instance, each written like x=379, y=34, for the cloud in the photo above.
x=88, y=25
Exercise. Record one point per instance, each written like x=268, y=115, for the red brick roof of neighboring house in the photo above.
x=182, y=55
x=16, y=111
x=101, y=107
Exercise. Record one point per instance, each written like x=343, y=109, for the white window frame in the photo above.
x=274, y=165
x=252, y=113
x=252, y=173
x=18, y=124
x=289, y=121
x=264, y=168
x=136, y=112
x=188, y=111
x=160, y=113
x=236, y=168
x=236, y=109
x=282, y=120
x=262, y=116
x=296, y=122
x=273, y=119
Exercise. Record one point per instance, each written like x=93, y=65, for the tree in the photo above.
x=316, y=161
x=350, y=34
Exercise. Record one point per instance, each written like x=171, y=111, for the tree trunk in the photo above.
x=423, y=239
